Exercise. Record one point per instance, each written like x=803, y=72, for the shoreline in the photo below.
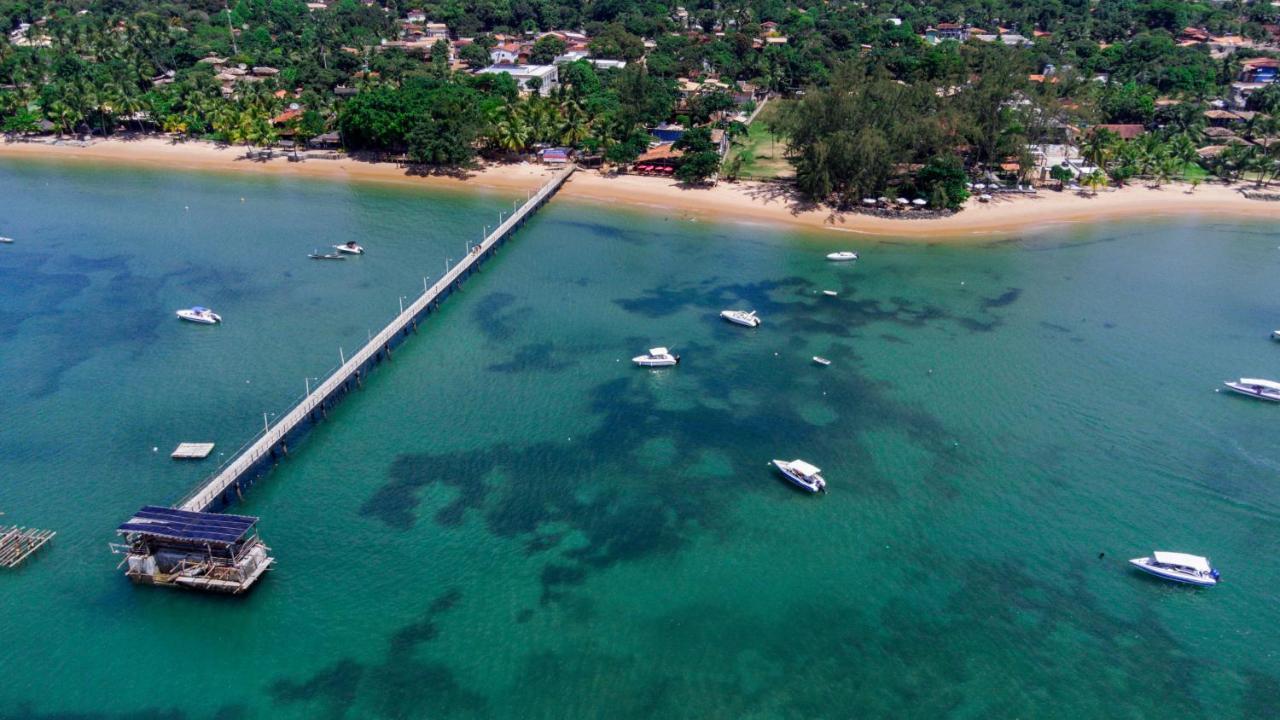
x=726, y=202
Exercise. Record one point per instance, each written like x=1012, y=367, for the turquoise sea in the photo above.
x=511, y=521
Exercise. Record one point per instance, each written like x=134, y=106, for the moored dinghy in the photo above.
x=802, y=474
x=741, y=317
x=1178, y=567
x=821, y=360
x=842, y=256
x=317, y=255
x=1256, y=388
x=201, y=315
x=656, y=357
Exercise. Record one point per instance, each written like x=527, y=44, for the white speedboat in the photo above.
x=6, y=240
x=803, y=474
x=1275, y=334
x=1178, y=567
x=741, y=317
x=202, y=315
x=351, y=248
x=656, y=357
x=830, y=293
x=821, y=360
x=1255, y=388
x=842, y=256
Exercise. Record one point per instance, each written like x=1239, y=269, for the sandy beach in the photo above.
x=747, y=201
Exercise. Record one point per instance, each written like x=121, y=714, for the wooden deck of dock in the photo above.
x=17, y=544
x=225, y=483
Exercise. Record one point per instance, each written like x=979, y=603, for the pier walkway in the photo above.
x=226, y=484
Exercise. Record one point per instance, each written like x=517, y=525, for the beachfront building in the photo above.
x=543, y=78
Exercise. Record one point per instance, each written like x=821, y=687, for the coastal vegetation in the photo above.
x=882, y=98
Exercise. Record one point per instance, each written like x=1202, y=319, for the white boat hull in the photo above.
x=357, y=250
x=1256, y=393
x=643, y=361
x=198, y=318
x=842, y=256
x=743, y=319
x=1173, y=575
x=6, y=240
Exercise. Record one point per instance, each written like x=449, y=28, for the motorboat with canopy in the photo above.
x=350, y=247
x=1178, y=567
x=656, y=357
x=1256, y=388
x=802, y=474
x=201, y=315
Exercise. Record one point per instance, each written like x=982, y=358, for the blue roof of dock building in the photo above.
x=184, y=525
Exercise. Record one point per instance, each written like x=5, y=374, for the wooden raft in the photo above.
x=192, y=451
x=17, y=544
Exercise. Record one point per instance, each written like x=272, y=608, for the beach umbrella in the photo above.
x=882, y=199
x=919, y=201
x=903, y=201
x=968, y=185
x=868, y=201
x=980, y=186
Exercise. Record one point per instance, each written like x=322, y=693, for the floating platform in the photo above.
x=18, y=544
x=191, y=451
x=198, y=550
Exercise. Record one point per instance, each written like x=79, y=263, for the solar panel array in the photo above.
x=174, y=524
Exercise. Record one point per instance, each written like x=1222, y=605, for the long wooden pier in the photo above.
x=227, y=483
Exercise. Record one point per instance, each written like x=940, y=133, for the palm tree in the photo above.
x=1166, y=169
x=576, y=127
x=1095, y=180
x=1097, y=148
x=510, y=131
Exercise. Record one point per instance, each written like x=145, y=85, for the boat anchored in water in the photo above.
x=656, y=357
x=6, y=240
x=1255, y=388
x=821, y=360
x=1178, y=567
x=1275, y=334
x=741, y=317
x=803, y=474
x=317, y=255
x=350, y=248
x=201, y=315
x=830, y=293
x=842, y=256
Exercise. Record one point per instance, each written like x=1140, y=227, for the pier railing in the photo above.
x=265, y=442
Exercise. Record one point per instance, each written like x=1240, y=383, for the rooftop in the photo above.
x=198, y=527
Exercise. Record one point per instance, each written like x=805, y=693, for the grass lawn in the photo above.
x=762, y=151
x=1193, y=171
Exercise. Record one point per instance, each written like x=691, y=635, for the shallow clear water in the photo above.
x=510, y=520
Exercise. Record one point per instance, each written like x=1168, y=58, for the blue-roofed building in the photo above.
x=203, y=551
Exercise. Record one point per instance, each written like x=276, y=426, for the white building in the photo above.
x=547, y=76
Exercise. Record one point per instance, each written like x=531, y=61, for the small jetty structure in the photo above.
x=228, y=564
x=18, y=543
x=203, y=551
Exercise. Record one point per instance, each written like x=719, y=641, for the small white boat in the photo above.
x=317, y=255
x=6, y=240
x=656, y=357
x=351, y=248
x=842, y=256
x=803, y=474
x=1178, y=567
x=741, y=317
x=1275, y=334
x=202, y=315
x=821, y=360
x=1255, y=388
x=830, y=293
